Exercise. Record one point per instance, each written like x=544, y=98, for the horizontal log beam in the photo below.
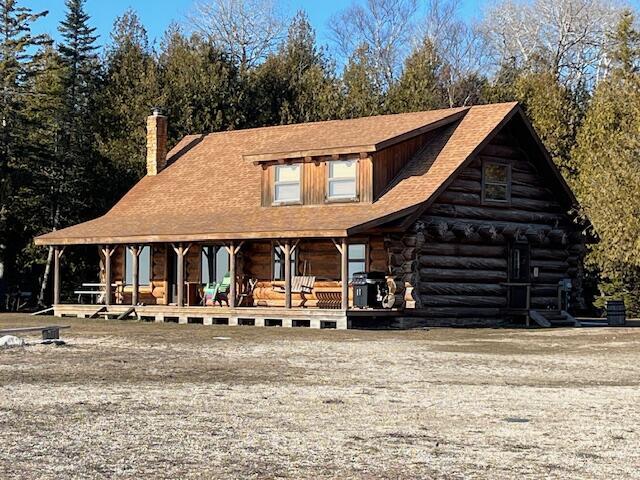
x=473, y=200
x=457, y=288
x=477, y=263
x=460, y=312
x=462, y=301
x=456, y=249
x=459, y=275
x=495, y=214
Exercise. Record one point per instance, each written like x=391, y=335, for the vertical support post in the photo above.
x=180, y=275
x=287, y=274
x=232, y=274
x=135, y=271
x=107, y=275
x=344, y=273
x=57, y=253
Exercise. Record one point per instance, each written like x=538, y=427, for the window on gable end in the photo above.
x=496, y=183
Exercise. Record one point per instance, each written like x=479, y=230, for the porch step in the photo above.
x=553, y=318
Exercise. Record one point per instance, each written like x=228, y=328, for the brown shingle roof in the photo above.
x=209, y=191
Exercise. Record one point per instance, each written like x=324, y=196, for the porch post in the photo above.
x=232, y=275
x=344, y=273
x=287, y=274
x=107, y=275
x=57, y=254
x=180, y=274
x=135, y=270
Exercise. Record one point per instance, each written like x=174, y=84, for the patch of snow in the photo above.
x=10, y=341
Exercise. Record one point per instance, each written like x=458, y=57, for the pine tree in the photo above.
x=130, y=91
x=609, y=177
x=553, y=110
x=16, y=69
x=80, y=77
x=419, y=87
x=200, y=86
x=297, y=84
x=361, y=95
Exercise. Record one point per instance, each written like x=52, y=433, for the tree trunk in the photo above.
x=47, y=268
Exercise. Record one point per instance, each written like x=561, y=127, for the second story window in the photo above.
x=496, y=182
x=341, y=183
x=287, y=184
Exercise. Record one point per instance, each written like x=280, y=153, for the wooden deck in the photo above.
x=258, y=316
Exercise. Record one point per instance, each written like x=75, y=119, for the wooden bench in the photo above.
x=302, y=285
x=49, y=332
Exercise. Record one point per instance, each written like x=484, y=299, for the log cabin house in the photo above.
x=462, y=210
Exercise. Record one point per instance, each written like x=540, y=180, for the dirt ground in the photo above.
x=137, y=400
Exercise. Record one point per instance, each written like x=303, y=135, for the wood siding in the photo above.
x=388, y=162
x=313, y=184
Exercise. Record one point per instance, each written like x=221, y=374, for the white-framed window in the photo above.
x=279, y=262
x=144, y=266
x=496, y=182
x=287, y=184
x=342, y=179
x=357, y=258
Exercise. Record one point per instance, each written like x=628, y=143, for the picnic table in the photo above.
x=91, y=290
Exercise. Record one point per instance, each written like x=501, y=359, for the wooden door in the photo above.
x=519, y=276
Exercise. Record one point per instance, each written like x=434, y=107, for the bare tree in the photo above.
x=568, y=36
x=248, y=30
x=384, y=26
x=459, y=46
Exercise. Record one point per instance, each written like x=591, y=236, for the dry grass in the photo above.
x=134, y=400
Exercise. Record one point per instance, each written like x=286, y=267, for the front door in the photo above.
x=519, y=276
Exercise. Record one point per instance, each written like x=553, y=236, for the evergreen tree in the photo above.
x=200, y=86
x=297, y=84
x=419, y=88
x=553, y=110
x=48, y=184
x=80, y=79
x=609, y=177
x=130, y=91
x=17, y=45
x=361, y=97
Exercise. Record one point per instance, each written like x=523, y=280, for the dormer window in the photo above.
x=287, y=184
x=342, y=184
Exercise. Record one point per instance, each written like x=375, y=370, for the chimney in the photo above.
x=156, y=142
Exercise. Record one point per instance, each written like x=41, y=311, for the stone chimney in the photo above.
x=156, y=142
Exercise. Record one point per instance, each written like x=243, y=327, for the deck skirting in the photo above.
x=256, y=316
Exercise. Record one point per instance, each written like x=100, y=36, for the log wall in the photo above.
x=454, y=259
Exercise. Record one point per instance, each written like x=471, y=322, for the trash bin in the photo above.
x=369, y=288
x=616, y=312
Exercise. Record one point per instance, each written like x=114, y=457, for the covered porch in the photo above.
x=167, y=281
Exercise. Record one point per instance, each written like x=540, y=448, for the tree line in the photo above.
x=72, y=112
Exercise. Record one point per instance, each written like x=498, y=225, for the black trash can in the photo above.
x=369, y=288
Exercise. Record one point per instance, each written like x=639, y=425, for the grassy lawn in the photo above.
x=138, y=400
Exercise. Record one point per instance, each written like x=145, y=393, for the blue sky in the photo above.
x=157, y=15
